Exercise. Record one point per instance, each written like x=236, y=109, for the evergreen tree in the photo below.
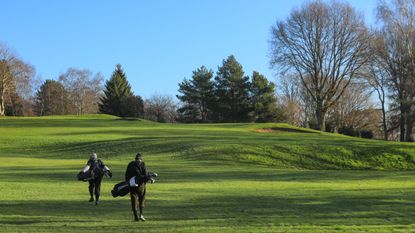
x=263, y=97
x=117, y=88
x=132, y=106
x=232, y=93
x=51, y=99
x=196, y=96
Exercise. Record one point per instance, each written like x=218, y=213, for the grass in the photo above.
x=216, y=177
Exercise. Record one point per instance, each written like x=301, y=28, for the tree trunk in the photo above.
x=323, y=123
x=385, y=127
x=408, y=130
x=402, y=125
x=402, y=128
x=1, y=105
x=321, y=118
x=203, y=112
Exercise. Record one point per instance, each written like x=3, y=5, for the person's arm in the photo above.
x=143, y=172
x=87, y=166
x=128, y=171
x=144, y=169
x=105, y=169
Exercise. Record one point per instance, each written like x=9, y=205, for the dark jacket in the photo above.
x=135, y=168
x=97, y=167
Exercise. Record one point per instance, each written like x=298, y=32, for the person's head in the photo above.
x=93, y=156
x=138, y=157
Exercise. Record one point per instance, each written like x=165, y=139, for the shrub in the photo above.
x=132, y=106
x=366, y=133
x=349, y=131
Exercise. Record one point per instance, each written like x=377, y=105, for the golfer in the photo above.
x=97, y=168
x=136, y=175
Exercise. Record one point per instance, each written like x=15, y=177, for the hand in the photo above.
x=152, y=180
x=110, y=174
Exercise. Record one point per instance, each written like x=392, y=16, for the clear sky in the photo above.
x=157, y=42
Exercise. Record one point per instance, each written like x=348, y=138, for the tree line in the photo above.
x=330, y=63
x=330, y=66
x=74, y=92
x=230, y=96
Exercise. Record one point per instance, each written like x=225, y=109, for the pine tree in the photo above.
x=116, y=90
x=232, y=93
x=197, y=95
x=263, y=97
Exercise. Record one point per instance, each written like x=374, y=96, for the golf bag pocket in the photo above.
x=121, y=189
x=133, y=182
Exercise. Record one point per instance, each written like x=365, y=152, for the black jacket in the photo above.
x=134, y=168
x=97, y=167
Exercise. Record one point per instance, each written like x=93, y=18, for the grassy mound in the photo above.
x=276, y=145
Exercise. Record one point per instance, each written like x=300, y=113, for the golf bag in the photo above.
x=121, y=189
x=85, y=176
x=97, y=170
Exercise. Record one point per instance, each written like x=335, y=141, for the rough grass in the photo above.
x=213, y=178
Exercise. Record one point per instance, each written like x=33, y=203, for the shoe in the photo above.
x=97, y=202
x=91, y=199
x=136, y=219
x=142, y=218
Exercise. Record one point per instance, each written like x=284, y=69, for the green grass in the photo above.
x=213, y=178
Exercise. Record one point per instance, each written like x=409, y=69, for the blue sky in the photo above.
x=157, y=42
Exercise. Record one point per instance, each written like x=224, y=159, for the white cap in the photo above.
x=93, y=156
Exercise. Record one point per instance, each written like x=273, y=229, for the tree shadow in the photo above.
x=345, y=207
x=284, y=129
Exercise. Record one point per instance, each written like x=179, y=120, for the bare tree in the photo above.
x=160, y=108
x=84, y=89
x=15, y=78
x=325, y=42
x=398, y=30
x=295, y=101
x=377, y=75
x=351, y=111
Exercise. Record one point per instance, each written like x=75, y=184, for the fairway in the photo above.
x=212, y=178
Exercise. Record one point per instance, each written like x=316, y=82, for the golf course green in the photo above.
x=249, y=177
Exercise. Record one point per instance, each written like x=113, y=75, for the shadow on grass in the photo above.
x=204, y=172
x=324, y=209
x=288, y=130
x=343, y=208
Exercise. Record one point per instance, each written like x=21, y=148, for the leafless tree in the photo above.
x=377, y=75
x=15, y=78
x=398, y=30
x=160, y=108
x=355, y=109
x=84, y=89
x=296, y=103
x=326, y=42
